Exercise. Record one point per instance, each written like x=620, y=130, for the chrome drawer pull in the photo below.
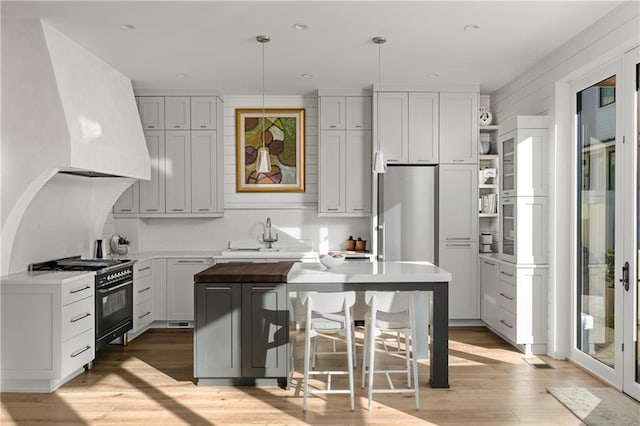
x=78, y=290
x=504, y=273
x=203, y=127
x=79, y=317
x=144, y=269
x=176, y=127
x=190, y=261
x=152, y=210
x=177, y=210
x=143, y=290
x=458, y=238
x=218, y=288
x=76, y=353
x=125, y=210
x=510, y=326
x=506, y=297
x=263, y=288
x=203, y=210
x=144, y=315
x=489, y=263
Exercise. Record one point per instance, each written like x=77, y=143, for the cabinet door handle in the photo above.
x=458, y=238
x=458, y=245
x=190, y=261
x=79, y=317
x=358, y=210
x=218, y=288
x=263, y=288
x=79, y=289
x=203, y=127
x=392, y=161
x=144, y=315
x=332, y=127
x=508, y=275
x=489, y=263
x=176, y=127
x=358, y=126
x=332, y=210
x=510, y=326
x=177, y=210
x=457, y=161
x=151, y=127
x=125, y=210
x=144, y=289
x=144, y=269
x=78, y=352
x=203, y=210
x=506, y=297
x=152, y=210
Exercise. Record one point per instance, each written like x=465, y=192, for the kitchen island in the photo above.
x=242, y=314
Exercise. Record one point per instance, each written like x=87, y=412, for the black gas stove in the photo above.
x=113, y=297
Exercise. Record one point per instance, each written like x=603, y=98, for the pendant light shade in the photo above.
x=263, y=161
x=379, y=165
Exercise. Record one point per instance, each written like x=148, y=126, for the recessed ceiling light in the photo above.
x=434, y=75
x=471, y=27
x=306, y=75
x=300, y=27
x=181, y=75
x=127, y=26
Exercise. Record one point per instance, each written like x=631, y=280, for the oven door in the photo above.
x=114, y=310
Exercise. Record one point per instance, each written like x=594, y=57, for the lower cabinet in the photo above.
x=514, y=302
x=241, y=331
x=143, y=295
x=461, y=259
x=180, y=274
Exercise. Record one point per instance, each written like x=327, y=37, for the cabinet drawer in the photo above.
x=507, y=324
x=77, y=352
x=507, y=274
x=142, y=289
x=142, y=314
x=78, y=317
x=78, y=290
x=507, y=296
x=141, y=269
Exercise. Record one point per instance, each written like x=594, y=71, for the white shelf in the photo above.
x=489, y=128
x=488, y=186
x=488, y=157
x=488, y=215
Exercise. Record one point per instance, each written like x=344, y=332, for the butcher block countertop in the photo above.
x=245, y=272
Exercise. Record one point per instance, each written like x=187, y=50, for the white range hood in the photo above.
x=63, y=109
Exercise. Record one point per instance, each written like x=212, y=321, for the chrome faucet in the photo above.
x=269, y=240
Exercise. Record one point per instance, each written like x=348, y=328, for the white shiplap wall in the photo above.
x=308, y=198
x=544, y=90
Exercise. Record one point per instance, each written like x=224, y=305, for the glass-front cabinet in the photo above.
x=508, y=227
x=508, y=187
x=523, y=230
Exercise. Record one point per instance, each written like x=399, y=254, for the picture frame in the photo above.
x=284, y=138
x=607, y=96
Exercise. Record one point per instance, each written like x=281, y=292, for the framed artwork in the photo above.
x=607, y=96
x=284, y=140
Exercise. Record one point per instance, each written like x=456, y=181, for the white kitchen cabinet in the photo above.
x=129, y=201
x=358, y=113
x=333, y=112
x=152, y=192
x=151, y=110
x=177, y=112
x=332, y=165
x=523, y=230
x=392, y=124
x=203, y=112
x=489, y=291
x=461, y=260
x=180, y=274
x=423, y=128
x=47, y=332
x=344, y=157
x=177, y=164
x=142, y=296
x=458, y=203
x=206, y=181
x=159, y=274
x=458, y=127
x=523, y=156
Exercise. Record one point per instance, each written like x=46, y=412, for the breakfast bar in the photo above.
x=242, y=314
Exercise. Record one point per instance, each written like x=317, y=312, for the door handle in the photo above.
x=625, y=276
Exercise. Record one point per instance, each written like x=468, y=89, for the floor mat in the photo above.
x=599, y=406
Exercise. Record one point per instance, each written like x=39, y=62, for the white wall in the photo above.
x=544, y=90
x=293, y=215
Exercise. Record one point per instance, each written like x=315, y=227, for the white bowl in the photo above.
x=331, y=261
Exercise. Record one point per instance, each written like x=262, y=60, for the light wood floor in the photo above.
x=151, y=382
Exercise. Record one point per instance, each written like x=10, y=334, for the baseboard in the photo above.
x=466, y=323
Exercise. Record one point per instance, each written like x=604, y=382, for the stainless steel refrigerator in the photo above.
x=407, y=214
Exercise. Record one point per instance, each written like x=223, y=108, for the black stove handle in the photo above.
x=110, y=289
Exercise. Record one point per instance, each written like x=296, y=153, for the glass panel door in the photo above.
x=596, y=142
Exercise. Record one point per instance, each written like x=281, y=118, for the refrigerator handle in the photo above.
x=380, y=229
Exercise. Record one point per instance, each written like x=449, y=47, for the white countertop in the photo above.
x=45, y=277
x=368, y=272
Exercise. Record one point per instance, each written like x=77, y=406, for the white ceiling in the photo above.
x=213, y=42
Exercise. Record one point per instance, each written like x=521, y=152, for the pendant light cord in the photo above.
x=263, y=118
x=378, y=109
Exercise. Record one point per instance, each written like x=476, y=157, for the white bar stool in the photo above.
x=328, y=312
x=390, y=312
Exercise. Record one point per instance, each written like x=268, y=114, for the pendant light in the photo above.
x=263, y=162
x=379, y=165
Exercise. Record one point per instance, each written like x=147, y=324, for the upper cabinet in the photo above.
x=344, y=155
x=427, y=127
x=458, y=127
x=186, y=159
x=523, y=156
x=151, y=112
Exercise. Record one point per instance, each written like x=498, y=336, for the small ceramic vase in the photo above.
x=485, y=116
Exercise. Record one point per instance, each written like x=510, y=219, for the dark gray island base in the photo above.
x=241, y=330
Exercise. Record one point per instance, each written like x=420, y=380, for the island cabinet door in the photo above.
x=217, y=330
x=265, y=330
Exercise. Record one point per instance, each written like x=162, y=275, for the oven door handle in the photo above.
x=110, y=289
